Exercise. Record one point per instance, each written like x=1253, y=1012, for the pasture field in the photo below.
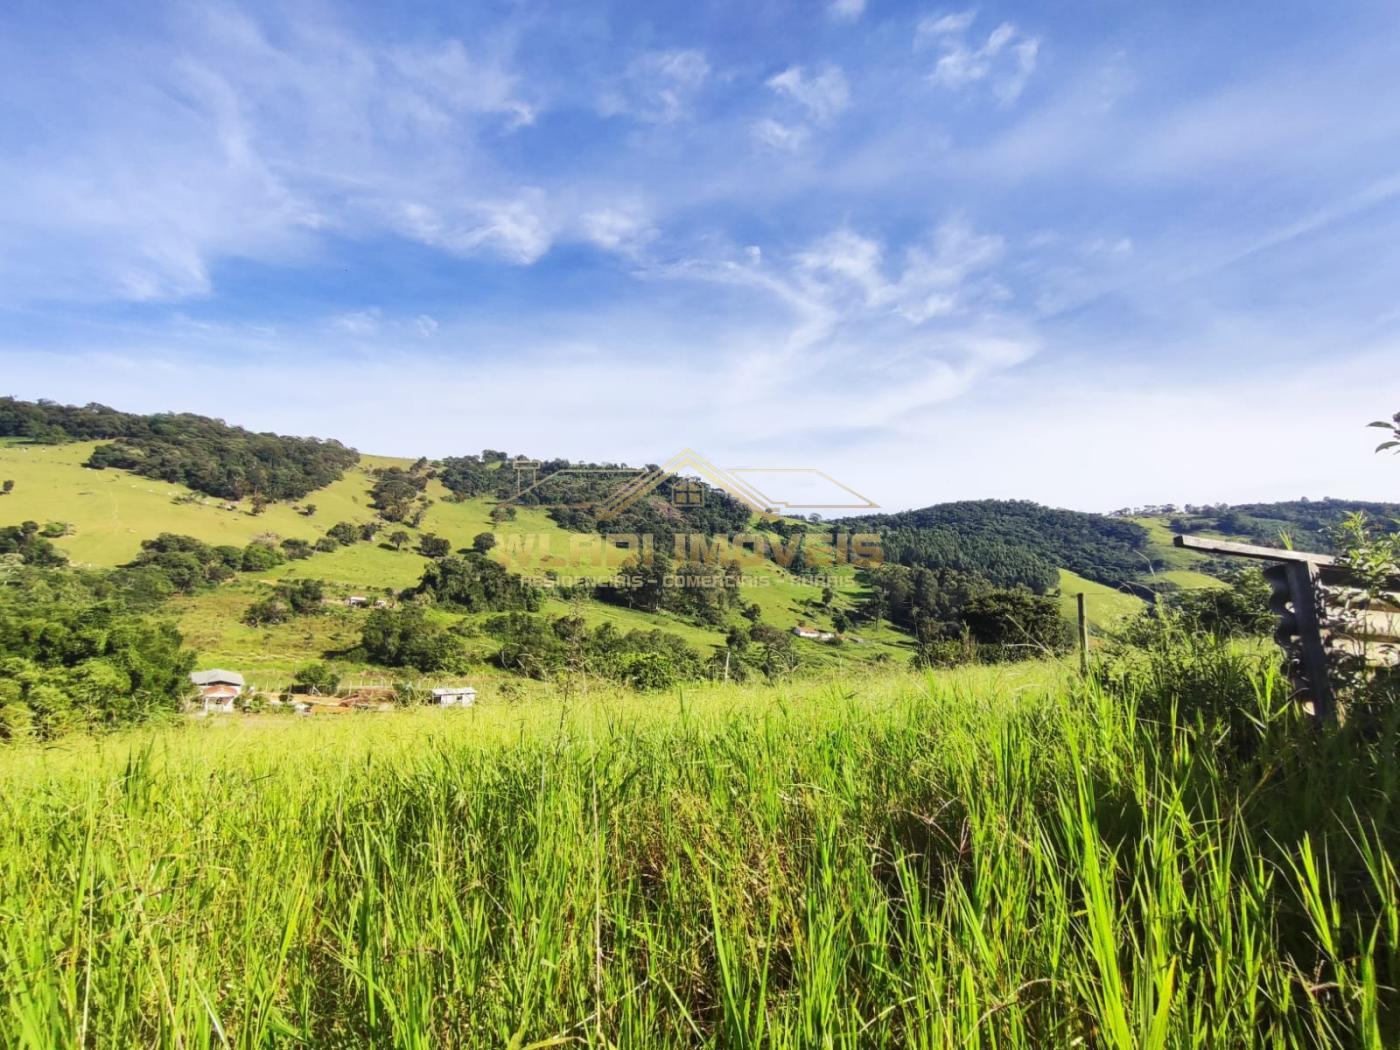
x=112, y=511
x=998, y=857
x=1104, y=607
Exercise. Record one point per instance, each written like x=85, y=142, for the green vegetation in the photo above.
x=408, y=637
x=207, y=455
x=1106, y=607
x=473, y=583
x=111, y=511
x=226, y=570
x=1304, y=524
x=994, y=538
x=26, y=543
x=290, y=598
x=565, y=645
x=76, y=652
x=966, y=859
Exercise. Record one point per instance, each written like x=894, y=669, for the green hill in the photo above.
x=99, y=518
x=107, y=513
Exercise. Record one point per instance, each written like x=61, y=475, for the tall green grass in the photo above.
x=903, y=861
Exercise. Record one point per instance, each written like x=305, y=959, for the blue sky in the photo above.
x=1093, y=254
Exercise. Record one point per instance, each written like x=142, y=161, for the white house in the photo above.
x=219, y=690
x=463, y=696
x=815, y=635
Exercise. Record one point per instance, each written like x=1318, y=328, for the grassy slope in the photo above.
x=989, y=857
x=1104, y=606
x=113, y=511
x=531, y=544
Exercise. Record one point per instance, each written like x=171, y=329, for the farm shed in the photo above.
x=464, y=696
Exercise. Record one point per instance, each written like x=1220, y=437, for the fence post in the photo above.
x=1302, y=584
x=1083, y=637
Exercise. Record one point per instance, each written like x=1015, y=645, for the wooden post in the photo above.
x=1083, y=637
x=1302, y=585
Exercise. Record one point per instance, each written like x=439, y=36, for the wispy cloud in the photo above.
x=780, y=136
x=822, y=94
x=849, y=9
x=816, y=97
x=658, y=86
x=1005, y=59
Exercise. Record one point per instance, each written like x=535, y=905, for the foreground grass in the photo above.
x=998, y=858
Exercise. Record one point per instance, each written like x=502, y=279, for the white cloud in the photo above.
x=947, y=25
x=358, y=323
x=940, y=276
x=823, y=95
x=846, y=8
x=780, y=136
x=448, y=82
x=1005, y=59
x=516, y=230
x=618, y=229
x=818, y=97
x=236, y=141
x=659, y=86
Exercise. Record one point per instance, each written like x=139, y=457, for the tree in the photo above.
x=1016, y=624
x=1240, y=609
x=398, y=538
x=31, y=548
x=206, y=455
x=291, y=598
x=296, y=549
x=326, y=545
x=320, y=677
x=483, y=542
x=308, y=510
x=404, y=637
x=1390, y=445
x=85, y=662
x=344, y=533
x=267, y=611
x=432, y=546
x=259, y=503
x=260, y=556
x=477, y=584
x=7, y=487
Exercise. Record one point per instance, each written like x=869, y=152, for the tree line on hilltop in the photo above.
x=206, y=455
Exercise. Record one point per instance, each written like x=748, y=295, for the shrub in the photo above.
x=321, y=677
x=404, y=637
x=259, y=556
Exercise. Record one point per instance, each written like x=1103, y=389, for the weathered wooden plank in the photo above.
x=1302, y=585
x=1251, y=550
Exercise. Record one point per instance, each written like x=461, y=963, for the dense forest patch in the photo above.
x=204, y=454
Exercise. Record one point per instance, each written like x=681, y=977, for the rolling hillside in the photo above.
x=109, y=512
x=103, y=516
